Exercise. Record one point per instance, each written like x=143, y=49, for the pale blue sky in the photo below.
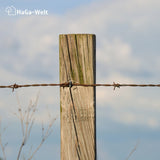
x=56, y=7
x=128, y=48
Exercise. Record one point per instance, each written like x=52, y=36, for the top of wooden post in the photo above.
x=77, y=34
x=77, y=58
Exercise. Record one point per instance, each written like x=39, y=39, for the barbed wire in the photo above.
x=70, y=84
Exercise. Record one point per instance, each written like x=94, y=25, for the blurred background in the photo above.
x=128, y=36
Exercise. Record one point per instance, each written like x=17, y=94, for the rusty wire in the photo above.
x=68, y=84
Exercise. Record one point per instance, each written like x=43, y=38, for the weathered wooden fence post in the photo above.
x=77, y=54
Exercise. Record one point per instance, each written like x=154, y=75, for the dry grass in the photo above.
x=27, y=120
x=2, y=146
x=133, y=150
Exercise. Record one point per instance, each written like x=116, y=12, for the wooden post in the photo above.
x=77, y=103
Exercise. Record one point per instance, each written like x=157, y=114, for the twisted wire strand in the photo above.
x=68, y=84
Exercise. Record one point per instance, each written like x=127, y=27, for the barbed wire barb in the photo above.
x=115, y=85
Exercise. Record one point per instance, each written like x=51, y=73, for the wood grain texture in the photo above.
x=78, y=104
